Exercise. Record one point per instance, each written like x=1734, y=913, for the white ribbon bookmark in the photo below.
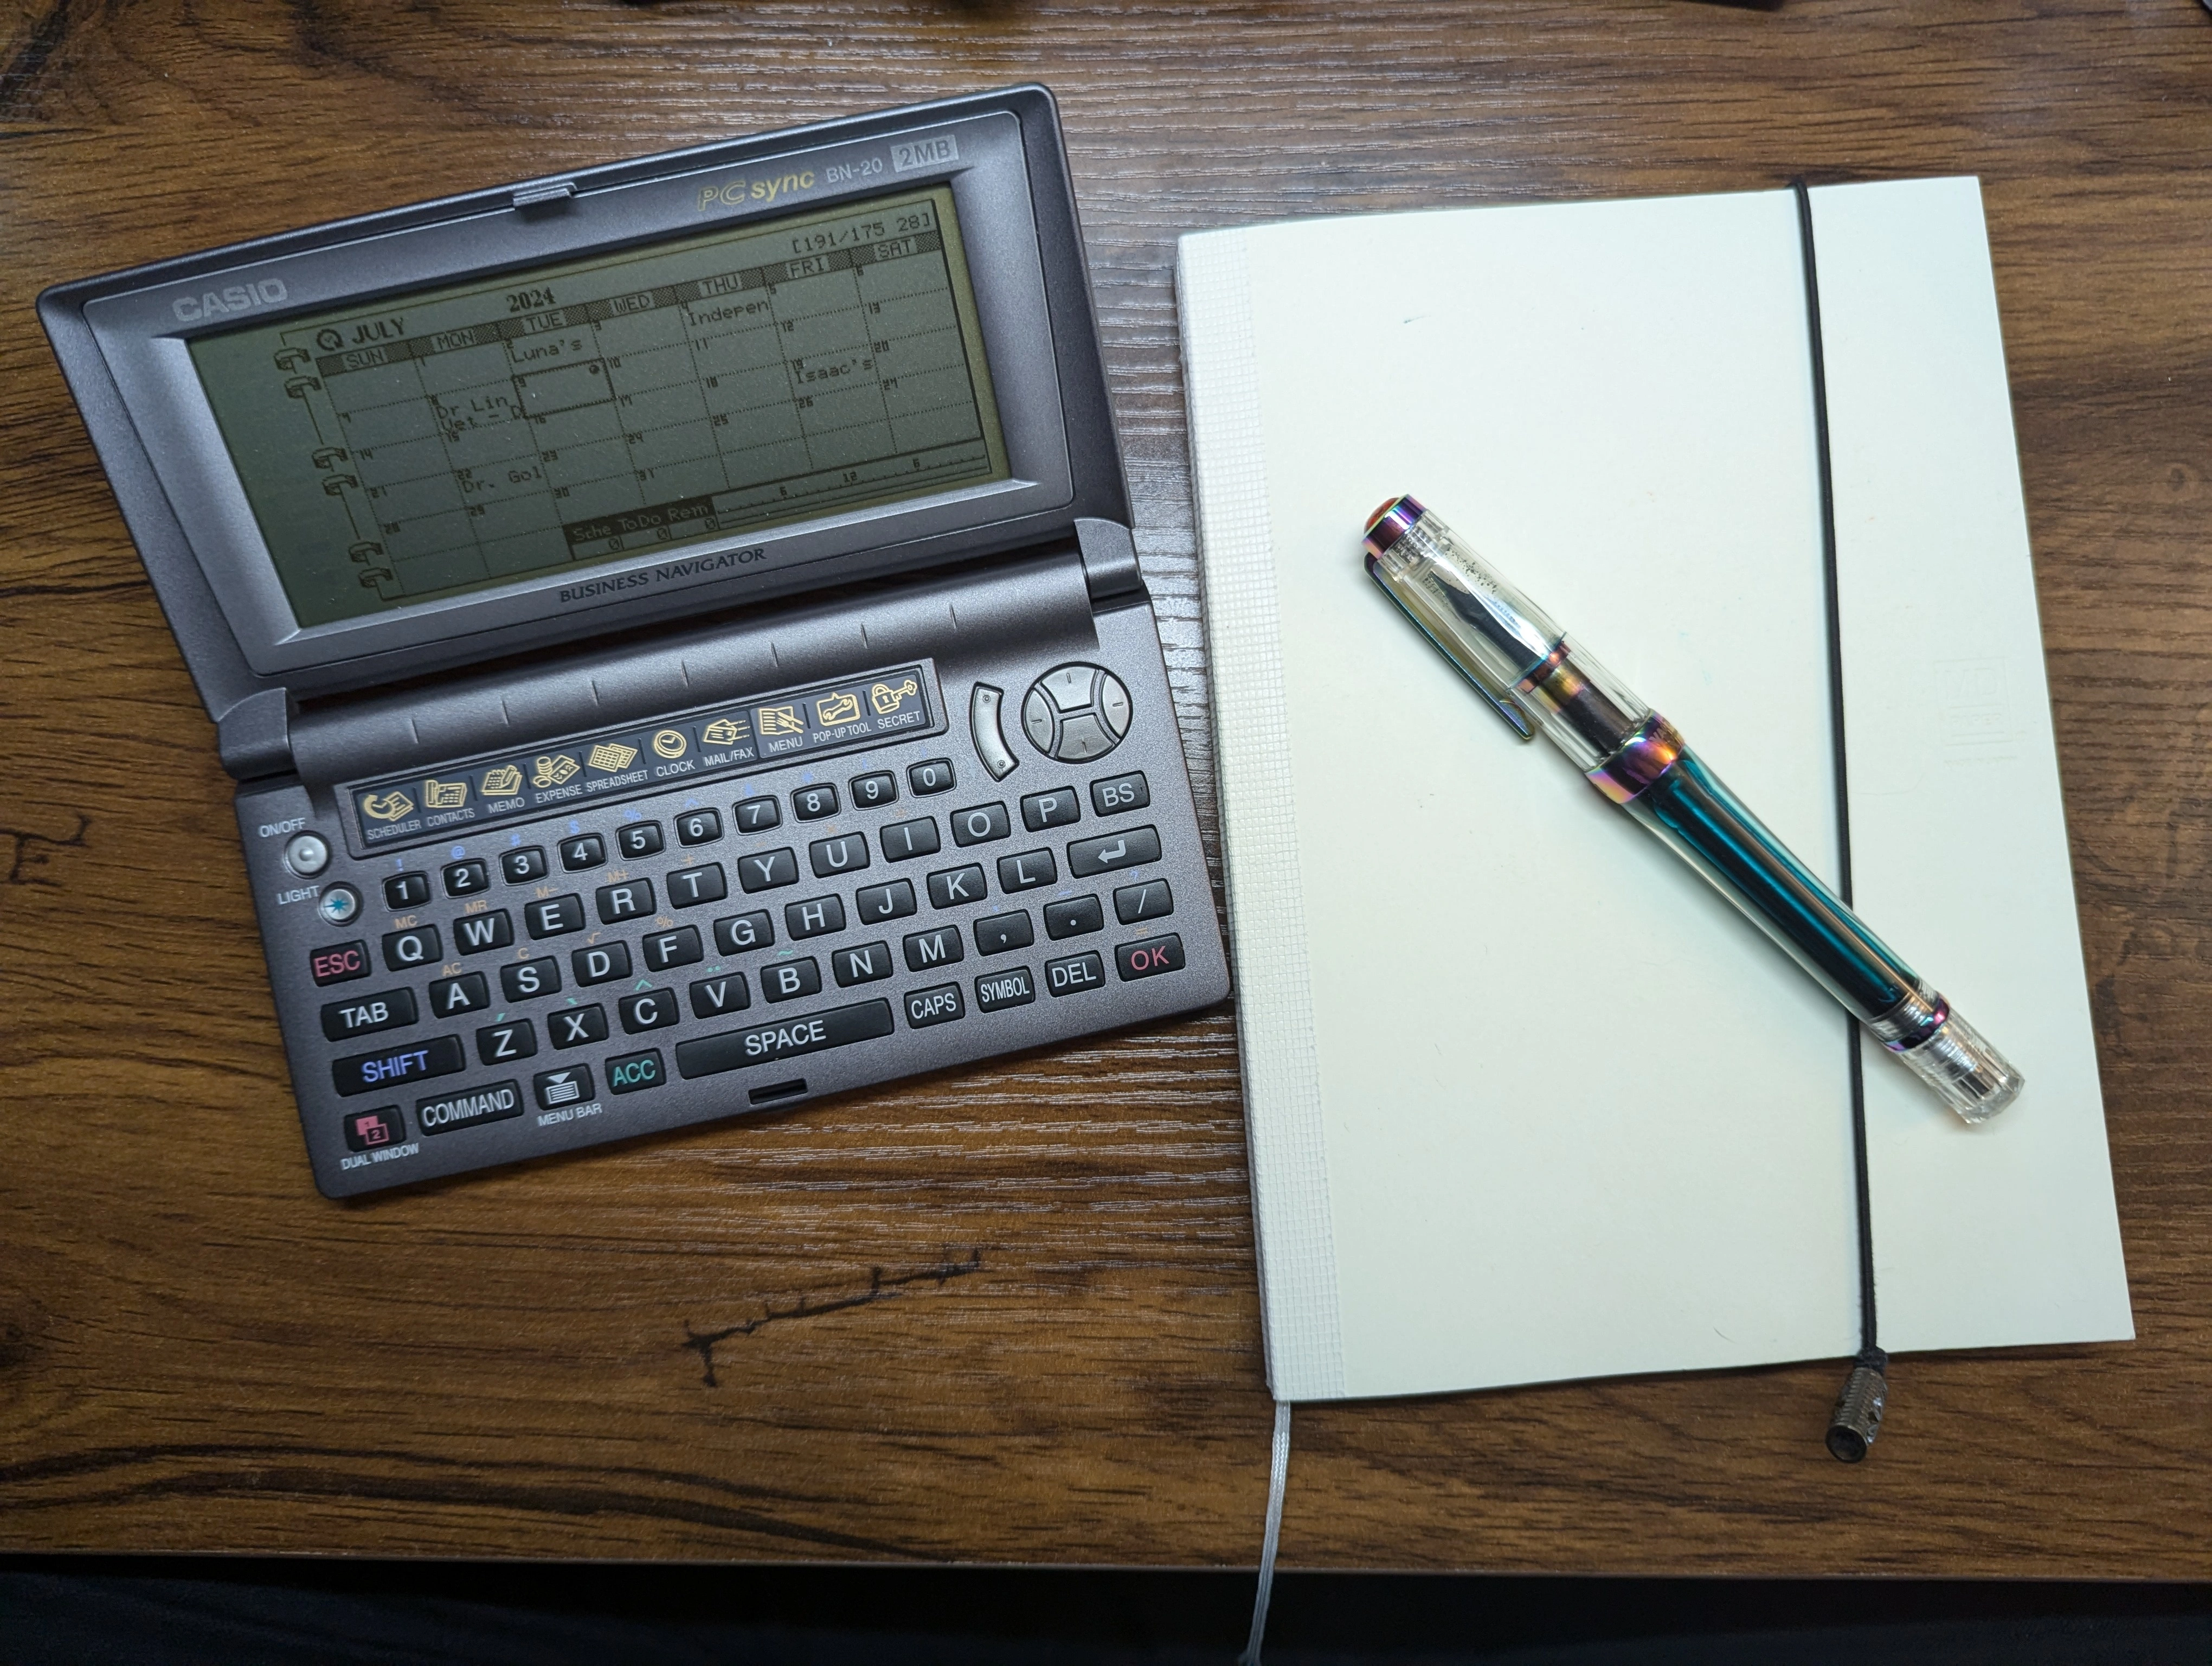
x=1277, y=1475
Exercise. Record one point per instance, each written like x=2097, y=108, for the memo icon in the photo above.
x=502, y=782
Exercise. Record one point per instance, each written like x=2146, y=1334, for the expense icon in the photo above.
x=387, y=806
x=611, y=755
x=502, y=782
x=781, y=720
x=837, y=708
x=552, y=769
x=885, y=698
x=445, y=794
x=721, y=733
x=669, y=743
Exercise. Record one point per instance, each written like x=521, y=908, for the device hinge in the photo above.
x=1110, y=572
x=544, y=193
x=254, y=737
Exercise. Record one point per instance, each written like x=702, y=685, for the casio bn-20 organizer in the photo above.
x=500, y=534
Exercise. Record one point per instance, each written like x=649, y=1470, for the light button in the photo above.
x=338, y=905
x=307, y=854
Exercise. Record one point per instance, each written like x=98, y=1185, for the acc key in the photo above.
x=633, y=1072
x=339, y=961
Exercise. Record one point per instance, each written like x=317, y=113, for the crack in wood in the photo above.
x=20, y=77
x=227, y=1470
x=880, y=1289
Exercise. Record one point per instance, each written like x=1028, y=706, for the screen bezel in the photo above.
x=144, y=336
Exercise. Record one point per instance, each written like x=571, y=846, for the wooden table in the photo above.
x=1009, y=1315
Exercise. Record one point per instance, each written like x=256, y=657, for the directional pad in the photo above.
x=1076, y=712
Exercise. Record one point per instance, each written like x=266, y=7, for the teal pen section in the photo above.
x=1694, y=810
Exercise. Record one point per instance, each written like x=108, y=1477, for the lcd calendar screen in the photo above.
x=485, y=433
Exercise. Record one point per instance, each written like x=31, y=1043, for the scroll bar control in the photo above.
x=983, y=726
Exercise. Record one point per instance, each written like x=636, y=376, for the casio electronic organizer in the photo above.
x=675, y=629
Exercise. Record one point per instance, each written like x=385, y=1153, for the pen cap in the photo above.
x=1486, y=627
x=1507, y=646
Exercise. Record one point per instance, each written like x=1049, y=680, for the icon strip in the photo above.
x=771, y=729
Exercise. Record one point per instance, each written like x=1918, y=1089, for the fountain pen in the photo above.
x=1538, y=678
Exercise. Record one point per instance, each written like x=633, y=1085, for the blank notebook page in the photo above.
x=1527, y=1100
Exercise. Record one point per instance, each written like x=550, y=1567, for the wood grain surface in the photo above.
x=1009, y=1315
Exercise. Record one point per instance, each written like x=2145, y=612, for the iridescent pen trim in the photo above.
x=1392, y=523
x=1649, y=754
x=1529, y=669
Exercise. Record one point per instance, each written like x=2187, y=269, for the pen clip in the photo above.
x=1505, y=704
x=1500, y=700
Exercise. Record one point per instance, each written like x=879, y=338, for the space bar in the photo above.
x=764, y=1043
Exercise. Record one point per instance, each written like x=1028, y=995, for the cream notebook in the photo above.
x=1525, y=1100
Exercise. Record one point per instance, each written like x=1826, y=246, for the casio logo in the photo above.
x=237, y=298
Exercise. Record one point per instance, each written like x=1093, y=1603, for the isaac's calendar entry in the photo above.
x=465, y=437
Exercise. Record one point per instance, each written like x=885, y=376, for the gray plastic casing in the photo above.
x=992, y=584
x=124, y=348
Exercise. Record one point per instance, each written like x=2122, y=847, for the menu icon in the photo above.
x=557, y=1088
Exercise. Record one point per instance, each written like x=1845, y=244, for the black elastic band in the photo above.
x=1868, y=1344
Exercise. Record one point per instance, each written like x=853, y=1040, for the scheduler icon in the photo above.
x=1076, y=712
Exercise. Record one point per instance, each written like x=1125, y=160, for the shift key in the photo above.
x=1137, y=846
x=368, y=1072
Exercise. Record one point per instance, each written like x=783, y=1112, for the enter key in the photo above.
x=1137, y=846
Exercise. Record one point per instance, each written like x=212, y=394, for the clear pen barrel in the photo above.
x=1528, y=667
